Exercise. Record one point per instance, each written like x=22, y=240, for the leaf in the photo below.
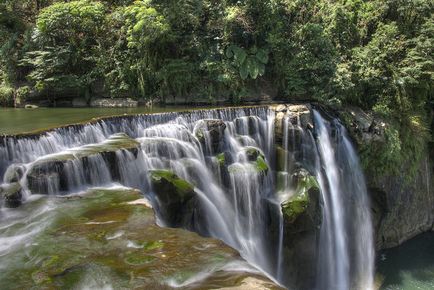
x=244, y=70
x=229, y=52
x=253, y=68
x=240, y=55
x=262, y=56
x=261, y=69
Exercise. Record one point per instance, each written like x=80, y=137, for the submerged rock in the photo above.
x=14, y=173
x=11, y=194
x=176, y=197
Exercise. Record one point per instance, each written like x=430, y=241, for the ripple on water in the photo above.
x=409, y=266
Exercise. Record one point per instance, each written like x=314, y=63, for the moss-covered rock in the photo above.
x=165, y=180
x=221, y=159
x=176, y=197
x=302, y=216
x=256, y=159
x=297, y=205
x=252, y=153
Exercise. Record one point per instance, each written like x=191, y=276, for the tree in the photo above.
x=67, y=36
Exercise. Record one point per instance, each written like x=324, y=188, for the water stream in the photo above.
x=229, y=156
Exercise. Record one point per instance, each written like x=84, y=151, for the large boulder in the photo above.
x=300, y=210
x=176, y=198
x=302, y=217
x=210, y=133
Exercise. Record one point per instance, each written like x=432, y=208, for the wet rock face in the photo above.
x=299, y=118
x=302, y=217
x=247, y=125
x=176, y=198
x=400, y=209
x=210, y=134
x=363, y=127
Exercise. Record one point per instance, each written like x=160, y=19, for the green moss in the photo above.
x=281, y=156
x=182, y=186
x=299, y=202
x=153, y=245
x=261, y=165
x=399, y=153
x=221, y=159
x=295, y=207
x=135, y=259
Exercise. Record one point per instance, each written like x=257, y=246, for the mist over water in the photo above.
x=235, y=195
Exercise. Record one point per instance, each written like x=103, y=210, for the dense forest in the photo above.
x=377, y=55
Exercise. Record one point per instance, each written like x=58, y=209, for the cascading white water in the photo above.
x=346, y=239
x=334, y=255
x=235, y=203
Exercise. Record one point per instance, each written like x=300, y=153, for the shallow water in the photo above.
x=409, y=266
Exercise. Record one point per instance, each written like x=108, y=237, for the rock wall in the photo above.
x=401, y=209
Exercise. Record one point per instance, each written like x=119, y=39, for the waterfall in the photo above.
x=346, y=239
x=229, y=156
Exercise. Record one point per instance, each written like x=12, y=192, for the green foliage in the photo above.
x=6, y=95
x=74, y=23
x=66, y=36
x=22, y=94
x=249, y=63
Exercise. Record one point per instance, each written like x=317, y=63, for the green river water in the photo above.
x=14, y=121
